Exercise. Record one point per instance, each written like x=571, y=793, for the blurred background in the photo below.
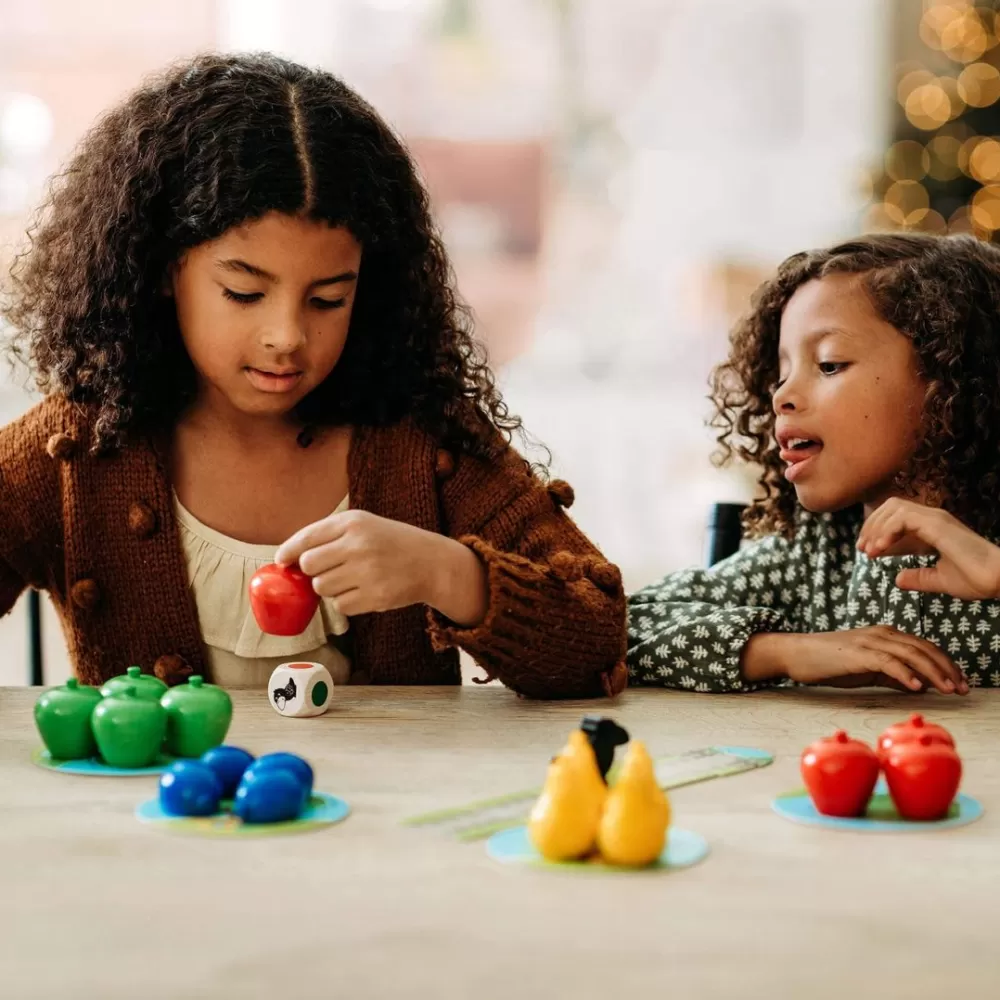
x=612, y=181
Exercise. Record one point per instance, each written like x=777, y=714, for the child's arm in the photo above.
x=691, y=628
x=555, y=612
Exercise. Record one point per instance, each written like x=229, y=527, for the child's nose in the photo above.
x=787, y=397
x=284, y=337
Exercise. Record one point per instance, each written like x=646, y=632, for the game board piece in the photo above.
x=914, y=727
x=482, y=818
x=272, y=795
x=321, y=812
x=840, y=774
x=300, y=769
x=683, y=849
x=604, y=735
x=880, y=817
x=923, y=777
x=146, y=685
x=129, y=730
x=282, y=599
x=228, y=763
x=563, y=822
x=62, y=715
x=94, y=767
x=300, y=690
x=198, y=717
x=190, y=788
x=633, y=827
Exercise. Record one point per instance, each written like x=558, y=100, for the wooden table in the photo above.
x=93, y=905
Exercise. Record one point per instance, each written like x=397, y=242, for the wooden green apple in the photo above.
x=129, y=729
x=198, y=717
x=62, y=715
x=146, y=685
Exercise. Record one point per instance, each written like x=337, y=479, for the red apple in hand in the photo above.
x=909, y=732
x=840, y=774
x=282, y=599
x=923, y=777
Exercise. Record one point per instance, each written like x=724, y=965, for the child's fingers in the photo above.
x=334, y=582
x=324, y=558
x=925, y=579
x=310, y=537
x=925, y=666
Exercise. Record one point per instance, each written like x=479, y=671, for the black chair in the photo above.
x=36, y=674
x=725, y=531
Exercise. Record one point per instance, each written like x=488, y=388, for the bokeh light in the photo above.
x=943, y=154
x=906, y=202
x=907, y=161
x=928, y=107
x=984, y=161
x=985, y=208
x=979, y=85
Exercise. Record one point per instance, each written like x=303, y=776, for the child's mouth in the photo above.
x=271, y=381
x=798, y=454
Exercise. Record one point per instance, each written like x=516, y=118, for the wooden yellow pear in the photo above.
x=636, y=816
x=563, y=823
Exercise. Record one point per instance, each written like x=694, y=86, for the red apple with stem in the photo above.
x=909, y=732
x=282, y=599
x=923, y=777
x=840, y=774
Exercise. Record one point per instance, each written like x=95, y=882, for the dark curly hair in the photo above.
x=941, y=292
x=209, y=145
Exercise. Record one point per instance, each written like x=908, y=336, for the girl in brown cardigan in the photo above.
x=243, y=322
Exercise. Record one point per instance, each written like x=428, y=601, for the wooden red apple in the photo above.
x=911, y=731
x=923, y=778
x=282, y=599
x=840, y=774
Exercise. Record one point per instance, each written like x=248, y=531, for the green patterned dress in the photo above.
x=688, y=630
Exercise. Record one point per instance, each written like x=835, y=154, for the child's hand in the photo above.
x=878, y=655
x=968, y=566
x=368, y=563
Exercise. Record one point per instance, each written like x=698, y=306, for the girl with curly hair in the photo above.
x=864, y=385
x=245, y=328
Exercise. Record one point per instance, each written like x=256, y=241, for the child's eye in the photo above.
x=329, y=303
x=832, y=367
x=241, y=298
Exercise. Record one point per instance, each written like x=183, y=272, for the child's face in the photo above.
x=264, y=310
x=850, y=398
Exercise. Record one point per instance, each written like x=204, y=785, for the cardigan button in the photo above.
x=142, y=520
x=85, y=594
x=172, y=669
x=444, y=464
x=61, y=446
x=561, y=492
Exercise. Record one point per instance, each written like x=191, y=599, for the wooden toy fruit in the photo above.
x=295, y=765
x=282, y=599
x=198, y=717
x=840, y=774
x=563, y=823
x=146, y=685
x=129, y=730
x=910, y=731
x=272, y=795
x=62, y=715
x=228, y=763
x=923, y=776
x=633, y=828
x=190, y=788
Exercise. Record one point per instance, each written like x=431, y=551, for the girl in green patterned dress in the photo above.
x=865, y=385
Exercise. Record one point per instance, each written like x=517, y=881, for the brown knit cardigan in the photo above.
x=99, y=534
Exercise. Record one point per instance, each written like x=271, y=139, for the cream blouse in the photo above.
x=238, y=654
